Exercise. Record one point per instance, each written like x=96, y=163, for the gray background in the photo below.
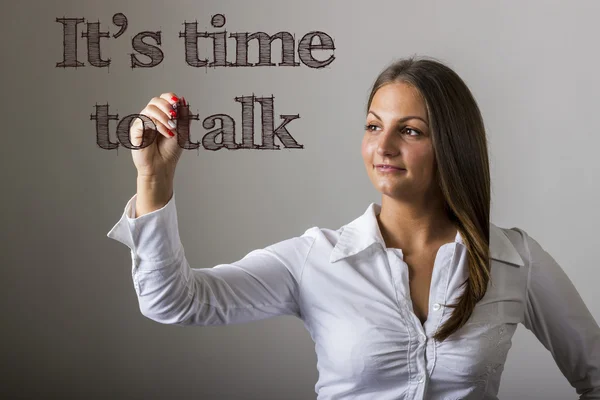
x=71, y=323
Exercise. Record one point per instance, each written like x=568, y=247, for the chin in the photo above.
x=389, y=191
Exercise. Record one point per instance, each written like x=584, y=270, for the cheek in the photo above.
x=422, y=160
x=365, y=149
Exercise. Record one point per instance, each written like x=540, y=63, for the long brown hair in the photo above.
x=460, y=148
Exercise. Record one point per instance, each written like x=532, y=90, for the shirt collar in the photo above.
x=363, y=232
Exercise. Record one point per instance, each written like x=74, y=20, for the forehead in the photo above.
x=398, y=99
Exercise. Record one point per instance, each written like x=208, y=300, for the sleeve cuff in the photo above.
x=153, y=237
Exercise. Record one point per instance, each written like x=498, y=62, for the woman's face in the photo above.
x=397, y=134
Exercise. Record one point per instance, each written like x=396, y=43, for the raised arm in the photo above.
x=262, y=284
x=559, y=318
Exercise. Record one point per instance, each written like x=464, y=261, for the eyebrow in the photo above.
x=402, y=119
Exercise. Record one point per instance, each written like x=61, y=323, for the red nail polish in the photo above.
x=174, y=99
x=173, y=113
x=171, y=133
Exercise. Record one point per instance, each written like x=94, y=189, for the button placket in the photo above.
x=441, y=295
x=396, y=275
x=421, y=354
x=399, y=271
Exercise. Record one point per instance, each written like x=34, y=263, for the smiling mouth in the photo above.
x=388, y=168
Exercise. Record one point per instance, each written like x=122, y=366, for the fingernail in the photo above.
x=172, y=124
x=173, y=113
x=171, y=133
x=174, y=99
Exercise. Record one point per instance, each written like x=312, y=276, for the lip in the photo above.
x=385, y=167
x=393, y=170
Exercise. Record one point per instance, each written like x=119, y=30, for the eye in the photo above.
x=371, y=127
x=414, y=130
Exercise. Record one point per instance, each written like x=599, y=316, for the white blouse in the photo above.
x=353, y=296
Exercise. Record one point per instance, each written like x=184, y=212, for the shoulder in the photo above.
x=305, y=242
x=528, y=248
x=328, y=235
x=507, y=243
x=318, y=240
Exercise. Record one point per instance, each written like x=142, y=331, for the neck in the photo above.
x=415, y=226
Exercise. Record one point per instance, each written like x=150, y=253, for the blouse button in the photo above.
x=420, y=379
x=436, y=306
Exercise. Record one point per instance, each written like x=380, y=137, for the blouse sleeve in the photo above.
x=558, y=317
x=263, y=284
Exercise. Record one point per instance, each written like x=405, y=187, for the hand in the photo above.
x=157, y=161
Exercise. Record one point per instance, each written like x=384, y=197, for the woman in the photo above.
x=419, y=297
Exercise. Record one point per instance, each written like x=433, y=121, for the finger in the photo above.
x=139, y=126
x=179, y=111
x=171, y=98
x=159, y=119
x=167, y=108
x=158, y=112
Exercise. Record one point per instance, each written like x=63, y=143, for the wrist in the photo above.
x=152, y=194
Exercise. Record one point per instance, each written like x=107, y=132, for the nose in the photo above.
x=387, y=145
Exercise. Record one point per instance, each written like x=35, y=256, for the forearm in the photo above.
x=152, y=194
